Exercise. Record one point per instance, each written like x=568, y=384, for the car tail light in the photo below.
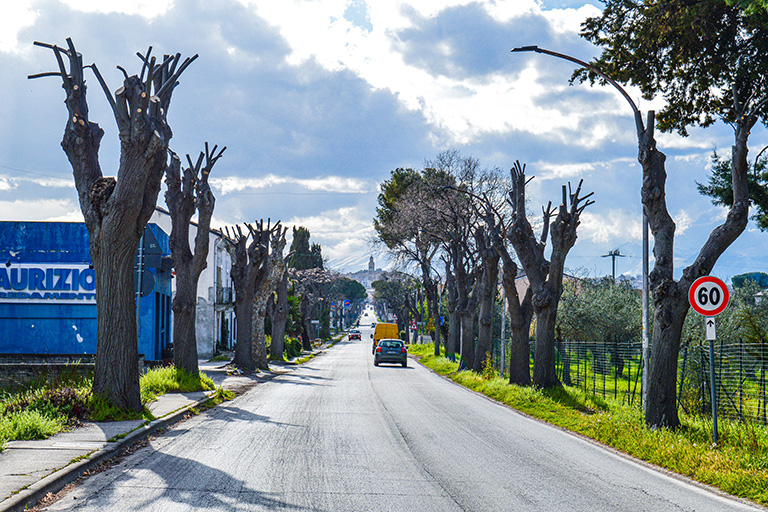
x=405, y=350
x=378, y=349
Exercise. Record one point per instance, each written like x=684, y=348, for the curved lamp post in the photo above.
x=640, y=129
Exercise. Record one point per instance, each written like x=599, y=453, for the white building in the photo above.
x=215, y=317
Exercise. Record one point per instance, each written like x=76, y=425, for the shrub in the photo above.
x=293, y=348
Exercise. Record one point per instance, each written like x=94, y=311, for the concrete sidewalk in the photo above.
x=29, y=470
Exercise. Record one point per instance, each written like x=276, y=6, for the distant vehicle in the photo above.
x=373, y=325
x=354, y=334
x=383, y=330
x=391, y=351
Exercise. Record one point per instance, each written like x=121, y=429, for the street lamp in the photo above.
x=640, y=129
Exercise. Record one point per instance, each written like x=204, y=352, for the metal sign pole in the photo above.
x=138, y=286
x=709, y=296
x=709, y=325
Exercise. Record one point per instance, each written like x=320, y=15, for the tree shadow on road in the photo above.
x=161, y=481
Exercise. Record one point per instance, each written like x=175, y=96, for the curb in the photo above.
x=58, y=479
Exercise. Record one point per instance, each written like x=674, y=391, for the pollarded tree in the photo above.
x=708, y=61
x=186, y=194
x=117, y=210
x=278, y=309
x=269, y=277
x=248, y=260
x=545, y=276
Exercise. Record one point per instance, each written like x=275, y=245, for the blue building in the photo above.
x=48, y=296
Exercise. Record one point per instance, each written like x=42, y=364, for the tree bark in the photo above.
x=237, y=249
x=270, y=273
x=520, y=315
x=670, y=297
x=545, y=278
x=185, y=195
x=486, y=296
x=452, y=341
x=280, y=319
x=116, y=211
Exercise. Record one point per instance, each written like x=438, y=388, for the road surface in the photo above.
x=339, y=434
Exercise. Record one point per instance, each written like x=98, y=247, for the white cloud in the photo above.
x=41, y=210
x=344, y=233
x=611, y=227
x=336, y=184
x=17, y=14
x=144, y=8
x=569, y=20
x=561, y=171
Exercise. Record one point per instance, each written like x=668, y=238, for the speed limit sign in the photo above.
x=708, y=296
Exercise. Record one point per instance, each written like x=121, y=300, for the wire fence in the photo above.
x=614, y=370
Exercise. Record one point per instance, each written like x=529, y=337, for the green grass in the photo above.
x=169, y=379
x=45, y=407
x=739, y=465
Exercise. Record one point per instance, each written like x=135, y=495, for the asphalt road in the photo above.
x=339, y=434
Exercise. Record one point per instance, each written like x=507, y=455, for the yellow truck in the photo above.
x=384, y=331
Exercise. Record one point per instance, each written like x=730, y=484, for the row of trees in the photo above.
x=707, y=60
x=454, y=221
x=117, y=209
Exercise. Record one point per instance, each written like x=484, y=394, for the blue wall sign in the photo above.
x=46, y=283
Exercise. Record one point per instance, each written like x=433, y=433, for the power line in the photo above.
x=613, y=255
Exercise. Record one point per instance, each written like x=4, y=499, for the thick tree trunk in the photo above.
x=116, y=373
x=486, y=298
x=116, y=211
x=662, y=379
x=187, y=193
x=467, y=319
x=243, y=299
x=520, y=315
x=184, y=306
x=259, y=337
x=454, y=323
x=243, y=346
x=280, y=319
x=544, y=375
x=670, y=297
x=306, y=342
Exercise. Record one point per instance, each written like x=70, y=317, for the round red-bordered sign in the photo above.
x=708, y=296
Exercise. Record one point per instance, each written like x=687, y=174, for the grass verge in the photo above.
x=45, y=407
x=738, y=466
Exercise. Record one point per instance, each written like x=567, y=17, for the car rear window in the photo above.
x=391, y=344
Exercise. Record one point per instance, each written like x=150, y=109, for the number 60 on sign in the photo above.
x=708, y=296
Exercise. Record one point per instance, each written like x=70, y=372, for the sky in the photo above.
x=318, y=101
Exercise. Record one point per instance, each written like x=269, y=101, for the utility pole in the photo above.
x=613, y=255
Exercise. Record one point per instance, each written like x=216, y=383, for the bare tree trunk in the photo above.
x=487, y=297
x=306, y=342
x=243, y=299
x=520, y=314
x=467, y=319
x=120, y=379
x=280, y=319
x=185, y=195
x=116, y=211
x=267, y=277
x=544, y=375
x=670, y=297
x=546, y=279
